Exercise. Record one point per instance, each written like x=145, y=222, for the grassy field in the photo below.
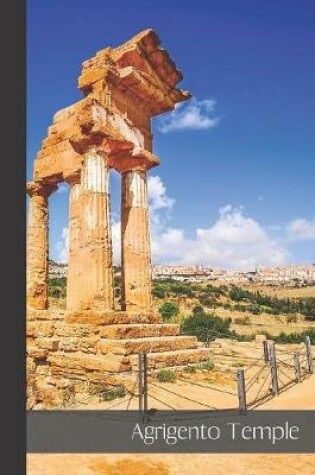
x=291, y=310
x=288, y=310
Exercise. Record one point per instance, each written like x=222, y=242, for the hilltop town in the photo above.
x=290, y=275
x=281, y=275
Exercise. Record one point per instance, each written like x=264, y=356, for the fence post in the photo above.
x=297, y=367
x=140, y=383
x=309, y=355
x=266, y=351
x=273, y=368
x=241, y=391
x=145, y=387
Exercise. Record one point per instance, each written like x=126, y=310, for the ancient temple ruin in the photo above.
x=109, y=128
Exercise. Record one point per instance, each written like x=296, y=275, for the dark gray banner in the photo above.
x=170, y=432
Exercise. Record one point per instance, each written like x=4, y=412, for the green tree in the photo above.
x=206, y=327
x=168, y=310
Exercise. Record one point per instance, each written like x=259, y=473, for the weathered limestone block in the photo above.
x=50, y=396
x=149, y=345
x=42, y=368
x=50, y=344
x=80, y=363
x=45, y=315
x=30, y=329
x=97, y=317
x=176, y=358
x=76, y=330
x=37, y=353
x=45, y=329
x=73, y=344
x=30, y=365
x=134, y=330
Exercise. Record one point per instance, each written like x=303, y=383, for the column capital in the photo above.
x=138, y=160
x=40, y=188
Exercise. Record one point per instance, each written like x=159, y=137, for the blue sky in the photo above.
x=235, y=184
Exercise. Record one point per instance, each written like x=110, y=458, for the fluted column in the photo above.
x=135, y=242
x=74, y=262
x=37, y=253
x=90, y=273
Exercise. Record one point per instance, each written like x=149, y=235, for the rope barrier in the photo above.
x=207, y=387
x=285, y=364
x=162, y=402
x=118, y=404
x=183, y=397
x=252, y=381
x=261, y=387
x=254, y=363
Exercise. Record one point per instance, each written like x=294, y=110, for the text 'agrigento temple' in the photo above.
x=110, y=128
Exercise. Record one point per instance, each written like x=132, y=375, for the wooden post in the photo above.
x=140, y=383
x=241, y=391
x=145, y=387
x=297, y=367
x=309, y=355
x=273, y=368
x=266, y=351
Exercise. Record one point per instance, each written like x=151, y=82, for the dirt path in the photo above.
x=298, y=397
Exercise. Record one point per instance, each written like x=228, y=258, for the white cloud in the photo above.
x=302, y=230
x=62, y=246
x=197, y=115
x=158, y=198
x=233, y=241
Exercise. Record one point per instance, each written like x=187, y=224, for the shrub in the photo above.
x=207, y=365
x=238, y=294
x=57, y=287
x=158, y=292
x=168, y=310
x=206, y=327
x=198, y=310
x=240, y=307
x=190, y=369
x=206, y=301
x=296, y=337
x=255, y=309
x=166, y=376
x=113, y=393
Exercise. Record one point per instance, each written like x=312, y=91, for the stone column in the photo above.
x=90, y=272
x=135, y=242
x=37, y=245
x=74, y=262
